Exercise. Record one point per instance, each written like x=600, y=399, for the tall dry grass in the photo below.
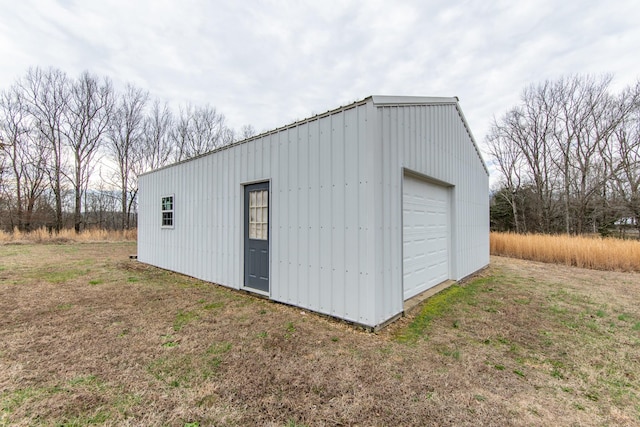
x=587, y=252
x=42, y=235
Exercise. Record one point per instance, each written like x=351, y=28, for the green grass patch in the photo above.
x=557, y=368
x=85, y=380
x=213, y=305
x=219, y=348
x=442, y=303
x=452, y=353
x=111, y=401
x=11, y=400
x=168, y=342
x=290, y=330
x=624, y=317
x=183, y=318
x=185, y=370
x=62, y=276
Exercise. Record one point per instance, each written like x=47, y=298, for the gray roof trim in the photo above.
x=473, y=140
x=382, y=100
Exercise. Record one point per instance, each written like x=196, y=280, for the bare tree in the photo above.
x=12, y=131
x=4, y=168
x=246, y=132
x=588, y=117
x=126, y=138
x=199, y=130
x=508, y=160
x=47, y=95
x=624, y=156
x=27, y=155
x=102, y=207
x=90, y=108
x=157, y=148
x=558, y=144
x=53, y=129
x=519, y=145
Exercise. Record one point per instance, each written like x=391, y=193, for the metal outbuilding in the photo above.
x=348, y=213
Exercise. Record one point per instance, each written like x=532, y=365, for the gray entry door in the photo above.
x=256, y=236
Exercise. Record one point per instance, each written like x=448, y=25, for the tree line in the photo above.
x=71, y=149
x=568, y=158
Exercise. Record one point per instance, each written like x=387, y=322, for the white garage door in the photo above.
x=425, y=218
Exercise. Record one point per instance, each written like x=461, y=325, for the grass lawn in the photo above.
x=88, y=336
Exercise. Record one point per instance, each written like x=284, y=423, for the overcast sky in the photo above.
x=269, y=63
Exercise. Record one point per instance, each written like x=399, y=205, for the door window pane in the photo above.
x=259, y=214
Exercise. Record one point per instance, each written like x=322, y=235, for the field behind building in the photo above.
x=592, y=252
x=90, y=337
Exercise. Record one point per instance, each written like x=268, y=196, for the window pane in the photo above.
x=167, y=218
x=258, y=214
x=167, y=203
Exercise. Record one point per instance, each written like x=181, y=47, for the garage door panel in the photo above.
x=425, y=235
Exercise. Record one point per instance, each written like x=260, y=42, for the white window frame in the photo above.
x=171, y=211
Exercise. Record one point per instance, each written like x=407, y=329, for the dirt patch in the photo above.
x=90, y=337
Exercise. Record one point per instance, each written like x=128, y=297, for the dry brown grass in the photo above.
x=89, y=337
x=42, y=235
x=586, y=252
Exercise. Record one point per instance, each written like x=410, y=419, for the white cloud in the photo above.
x=268, y=63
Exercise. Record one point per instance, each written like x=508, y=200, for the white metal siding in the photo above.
x=336, y=205
x=425, y=235
x=432, y=141
x=320, y=244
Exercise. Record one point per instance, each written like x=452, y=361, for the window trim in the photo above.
x=171, y=211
